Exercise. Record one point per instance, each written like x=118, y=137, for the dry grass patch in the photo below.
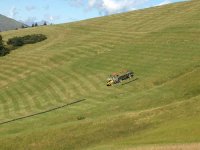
x=194, y=146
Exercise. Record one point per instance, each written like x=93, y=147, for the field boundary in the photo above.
x=39, y=113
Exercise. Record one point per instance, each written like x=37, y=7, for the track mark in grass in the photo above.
x=130, y=81
x=43, y=112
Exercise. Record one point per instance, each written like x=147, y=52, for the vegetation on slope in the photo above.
x=28, y=39
x=3, y=49
x=161, y=45
x=16, y=42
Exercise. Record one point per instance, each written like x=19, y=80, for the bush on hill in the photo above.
x=15, y=42
x=28, y=39
x=3, y=50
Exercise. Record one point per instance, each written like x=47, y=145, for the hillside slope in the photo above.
x=8, y=23
x=160, y=44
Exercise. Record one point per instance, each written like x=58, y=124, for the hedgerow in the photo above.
x=3, y=49
x=28, y=39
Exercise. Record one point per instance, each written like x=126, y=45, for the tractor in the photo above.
x=115, y=78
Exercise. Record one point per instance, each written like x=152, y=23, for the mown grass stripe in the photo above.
x=39, y=113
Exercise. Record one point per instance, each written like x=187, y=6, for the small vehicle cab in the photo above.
x=109, y=82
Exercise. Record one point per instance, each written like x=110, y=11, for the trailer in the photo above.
x=119, y=77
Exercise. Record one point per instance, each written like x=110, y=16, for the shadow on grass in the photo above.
x=43, y=112
x=130, y=81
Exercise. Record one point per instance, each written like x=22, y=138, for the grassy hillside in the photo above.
x=8, y=23
x=161, y=45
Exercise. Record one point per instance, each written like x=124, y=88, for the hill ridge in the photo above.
x=9, y=23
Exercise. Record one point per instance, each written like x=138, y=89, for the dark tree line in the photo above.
x=36, y=24
x=28, y=39
x=15, y=42
x=33, y=25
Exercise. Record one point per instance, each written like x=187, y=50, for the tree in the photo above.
x=45, y=23
x=3, y=50
x=1, y=41
x=33, y=25
x=36, y=24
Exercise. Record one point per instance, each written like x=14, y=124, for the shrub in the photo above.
x=16, y=41
x=3, y=50
x=28, y=39
x=80, y=118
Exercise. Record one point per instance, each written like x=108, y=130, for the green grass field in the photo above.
x=162, y=107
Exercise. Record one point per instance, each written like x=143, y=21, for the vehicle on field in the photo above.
x=119, y=77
